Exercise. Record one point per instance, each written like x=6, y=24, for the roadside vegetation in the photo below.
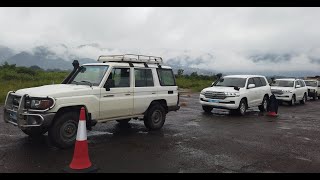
x=13, y=78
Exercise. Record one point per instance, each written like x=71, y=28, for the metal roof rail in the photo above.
x=134, y=58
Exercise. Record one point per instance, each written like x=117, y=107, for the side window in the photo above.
x=143, y=77
x=250, y=81
x=257, y=82
x=120, y=77
x=166, y=77
x=302, y=83
x=263, y=81
x=297, y=83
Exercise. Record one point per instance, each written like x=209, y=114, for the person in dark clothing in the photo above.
x=272, y=106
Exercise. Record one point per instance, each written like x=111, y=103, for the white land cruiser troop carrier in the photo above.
x=290, y=90
x=117, y=87
x=313, y=88
x=237, y=93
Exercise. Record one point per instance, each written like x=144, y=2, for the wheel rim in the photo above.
x=265, y=104
x=242, y=108
x=156, y=116
x=68, y=130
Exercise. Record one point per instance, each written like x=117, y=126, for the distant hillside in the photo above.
x=5, y=53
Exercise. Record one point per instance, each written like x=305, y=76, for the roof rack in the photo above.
x=135, y=58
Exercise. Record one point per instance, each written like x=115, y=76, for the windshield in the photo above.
x=231, y=82
x=283, y=83
x=311, y=83
x=89, y=75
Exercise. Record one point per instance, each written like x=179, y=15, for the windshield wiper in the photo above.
x=87, y=82
x=74, y=82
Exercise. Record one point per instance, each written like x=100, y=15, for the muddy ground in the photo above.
x=190, y=141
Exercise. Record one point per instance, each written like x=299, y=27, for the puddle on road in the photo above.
x=98, y=133
x=193, y=123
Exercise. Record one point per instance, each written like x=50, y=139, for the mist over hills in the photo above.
x=60, y=56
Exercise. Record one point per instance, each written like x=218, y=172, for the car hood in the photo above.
x=57, y=90
x=221, y=89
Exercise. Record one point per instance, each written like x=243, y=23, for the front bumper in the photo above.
x=226, y=103
x=24, y=118
x=284, y=97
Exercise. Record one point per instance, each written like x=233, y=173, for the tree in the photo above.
x=180, y=72
x=194, y=74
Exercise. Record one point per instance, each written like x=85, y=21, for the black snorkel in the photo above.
x=219, y=75
x=75, y=65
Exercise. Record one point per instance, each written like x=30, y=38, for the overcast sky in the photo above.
x=232, y=35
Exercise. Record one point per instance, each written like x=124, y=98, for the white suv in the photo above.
x=313, y=88
x=290, y=90
x=237, y=93
x=117, y=87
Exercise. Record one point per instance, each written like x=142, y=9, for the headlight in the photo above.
x=39, y=103
x=202, y=92
x=232, y=94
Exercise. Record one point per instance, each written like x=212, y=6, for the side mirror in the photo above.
x=251, y=86
x=109, y=84
x=298, y=86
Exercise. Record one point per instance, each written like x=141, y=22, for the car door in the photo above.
x=144, y=89
x=298, y=90
x=259, y=90
x=304, y=88
x=118, y=100
x=251, y=93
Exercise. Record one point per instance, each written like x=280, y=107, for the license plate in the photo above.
x=213, y=100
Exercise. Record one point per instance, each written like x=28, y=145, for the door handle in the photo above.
x=127, y=94
x=108, y=96
x=153, y=93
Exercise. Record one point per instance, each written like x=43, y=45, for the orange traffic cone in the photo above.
x=80, y=161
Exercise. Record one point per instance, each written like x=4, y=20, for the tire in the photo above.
x=304, y=99
x=264, y=105
x=34, y=131
x=155, y=117
x=315, y=96
x=293, y=100
x=242, y=107
x=124, y=121
x=207, y=109
x=63, y=132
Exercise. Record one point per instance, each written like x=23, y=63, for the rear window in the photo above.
x=166, y=77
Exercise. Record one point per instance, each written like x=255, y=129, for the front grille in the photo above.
x=276, y=91
x=215, y=95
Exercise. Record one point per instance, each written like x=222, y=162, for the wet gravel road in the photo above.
x=190, y=141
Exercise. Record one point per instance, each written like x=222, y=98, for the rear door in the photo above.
x=298, y=90
x=167, y=88
x=145, y=90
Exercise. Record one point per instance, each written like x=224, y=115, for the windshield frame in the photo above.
x=294, y=82
x=245, y=81
x=311, y=81
x=92, y=84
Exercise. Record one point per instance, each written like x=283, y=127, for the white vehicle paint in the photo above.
x=313, y=88
x=111, y=89
x=253, y=90
x=290, y=90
